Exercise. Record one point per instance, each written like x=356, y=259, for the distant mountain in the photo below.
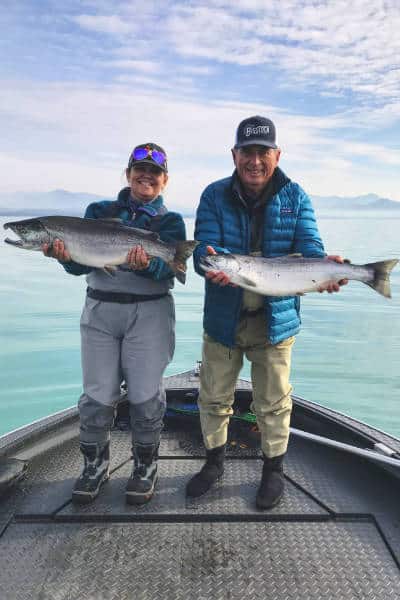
x=56, y=202
x=366, y=202
x=46, y=203
x=74, y=203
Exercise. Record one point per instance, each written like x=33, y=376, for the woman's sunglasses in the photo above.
x=147, y=152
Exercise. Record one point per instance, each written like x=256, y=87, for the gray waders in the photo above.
x=133, y=342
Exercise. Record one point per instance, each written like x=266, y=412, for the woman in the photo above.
x=127, y=331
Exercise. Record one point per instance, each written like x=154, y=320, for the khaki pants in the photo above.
x=270, y=369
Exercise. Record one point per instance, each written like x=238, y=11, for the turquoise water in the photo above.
x=347, y=355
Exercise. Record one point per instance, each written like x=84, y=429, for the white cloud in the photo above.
x=198, y=69
x=336, y=47
x=376, y=152
x=111, y=24
x=168, y=78
x=44, y=173
x=146, y=66
x=311, y=40
x=78, y=137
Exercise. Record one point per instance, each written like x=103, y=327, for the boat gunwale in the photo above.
x=35, y=431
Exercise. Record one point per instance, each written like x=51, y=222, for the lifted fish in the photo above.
x=294, y=275
x=100, y=243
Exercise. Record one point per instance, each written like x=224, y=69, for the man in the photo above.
x=258, y=210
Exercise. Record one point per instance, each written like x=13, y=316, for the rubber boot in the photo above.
x=96, y=471
x=140, y=487
x=272, y=483
x=211, y=471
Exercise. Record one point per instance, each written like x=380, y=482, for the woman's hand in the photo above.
x=57, y=250
x=218, y=277
x=332, y=286
x=137, y=258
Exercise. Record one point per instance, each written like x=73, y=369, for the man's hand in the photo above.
x=57, y=250
x=137, y=259
x=217, y=277
x=332, y=286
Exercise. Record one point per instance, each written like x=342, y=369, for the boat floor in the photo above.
x=336, y=533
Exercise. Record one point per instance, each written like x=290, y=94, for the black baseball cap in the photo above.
x=256, y=131
x=151, y=154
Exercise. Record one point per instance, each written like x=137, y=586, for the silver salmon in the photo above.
x=294, y=275
x=100, y=243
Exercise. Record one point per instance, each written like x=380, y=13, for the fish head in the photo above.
x=32, y=234
x=215, y=262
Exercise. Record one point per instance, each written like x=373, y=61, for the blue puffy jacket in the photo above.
x=222, y=221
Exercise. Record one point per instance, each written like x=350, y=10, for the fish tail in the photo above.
x=183, y=251
x=381, y=272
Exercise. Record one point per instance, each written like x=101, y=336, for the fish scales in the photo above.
x=296, y=275
x=99, y=243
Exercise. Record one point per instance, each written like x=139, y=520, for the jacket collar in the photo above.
x=279, y=180
x=125, y=200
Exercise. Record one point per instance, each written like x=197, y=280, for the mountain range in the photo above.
x=74, y=203
x=365, y=202
x=56, y=202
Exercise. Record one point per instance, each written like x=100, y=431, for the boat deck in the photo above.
x=336, y=533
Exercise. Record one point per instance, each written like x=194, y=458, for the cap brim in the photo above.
x=255, y=142
x=146, y=161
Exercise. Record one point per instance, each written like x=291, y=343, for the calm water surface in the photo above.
x=346, y=357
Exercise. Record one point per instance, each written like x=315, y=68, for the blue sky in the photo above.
x=84, y=82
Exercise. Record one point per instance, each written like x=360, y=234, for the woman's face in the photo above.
x=146, y=182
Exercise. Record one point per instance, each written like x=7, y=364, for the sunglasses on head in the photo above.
x=148, y=152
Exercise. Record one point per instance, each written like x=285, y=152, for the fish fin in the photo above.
x=179, y=269
x=241, y=280
x=381, y=272
x=287, y=256
x=111, y=220
x=144, y=234
x=181, y=276
x=109, y=270
x=184, y=249
x=135, y=231
x=124, y=267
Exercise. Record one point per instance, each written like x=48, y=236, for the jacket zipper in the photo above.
x=247, y=250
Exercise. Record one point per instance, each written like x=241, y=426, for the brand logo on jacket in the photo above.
x=286, y=211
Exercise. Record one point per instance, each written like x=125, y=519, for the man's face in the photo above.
x=255, y=166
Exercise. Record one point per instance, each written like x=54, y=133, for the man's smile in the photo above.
x=255, y=172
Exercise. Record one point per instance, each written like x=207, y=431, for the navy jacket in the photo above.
x=223, y=221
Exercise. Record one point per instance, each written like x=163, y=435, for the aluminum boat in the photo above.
x=335, y=534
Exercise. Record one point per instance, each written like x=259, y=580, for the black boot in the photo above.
x=210, y=472
x=95, y=472
x=140, y=487
x=272, y=483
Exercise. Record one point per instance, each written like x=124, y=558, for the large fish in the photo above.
x=294, y=275
x=101, y=243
